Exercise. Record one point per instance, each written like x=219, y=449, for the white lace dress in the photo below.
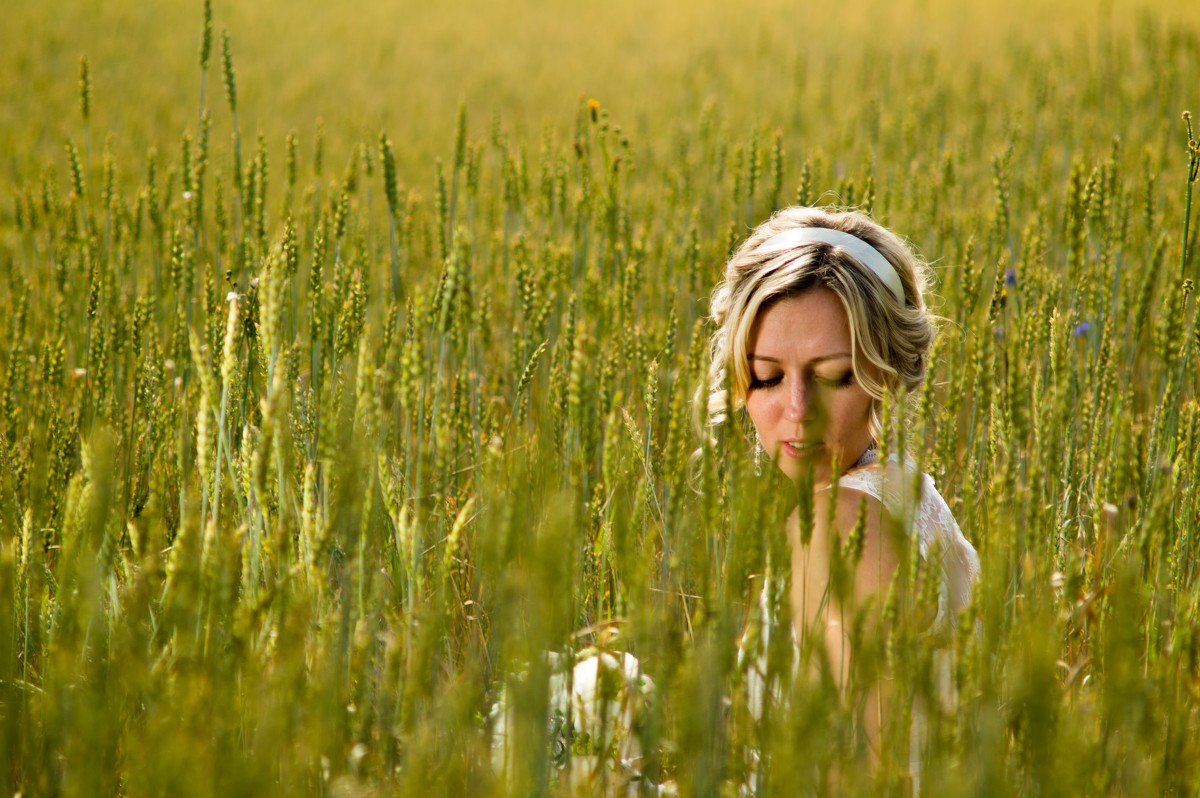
x=940, y=544
x=930, y=522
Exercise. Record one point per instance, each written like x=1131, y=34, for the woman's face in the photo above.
x=804, y=398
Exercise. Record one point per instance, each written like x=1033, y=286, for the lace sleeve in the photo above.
x=926, y=516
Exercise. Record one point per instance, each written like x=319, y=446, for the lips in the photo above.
x=797, y=448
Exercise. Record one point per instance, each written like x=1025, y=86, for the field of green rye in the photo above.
x=333, y=397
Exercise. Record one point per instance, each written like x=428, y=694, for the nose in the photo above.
x=798, y=400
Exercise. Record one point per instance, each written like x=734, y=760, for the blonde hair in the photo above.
x=890, y=339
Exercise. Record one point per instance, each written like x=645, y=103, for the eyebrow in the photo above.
x=814, y=361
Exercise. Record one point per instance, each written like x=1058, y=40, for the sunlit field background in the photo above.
x=347, y=366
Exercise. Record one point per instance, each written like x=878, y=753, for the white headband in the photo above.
x=860, y=250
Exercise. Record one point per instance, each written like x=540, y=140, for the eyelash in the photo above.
x=845, y=381
x=771, y=382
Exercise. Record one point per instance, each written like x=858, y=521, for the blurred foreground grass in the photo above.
x=308, y=442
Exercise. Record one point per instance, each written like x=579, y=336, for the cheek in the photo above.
x=854, y=413
x=758, y=407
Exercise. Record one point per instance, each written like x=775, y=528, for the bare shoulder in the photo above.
x=850, y=502
x=845, y=515
x=878, y=557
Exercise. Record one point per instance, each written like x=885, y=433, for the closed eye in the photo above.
x=844, y=380
x=766, y=382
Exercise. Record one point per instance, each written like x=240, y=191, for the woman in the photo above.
x=819, y=315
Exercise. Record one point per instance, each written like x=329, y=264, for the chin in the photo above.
x=793, y=469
